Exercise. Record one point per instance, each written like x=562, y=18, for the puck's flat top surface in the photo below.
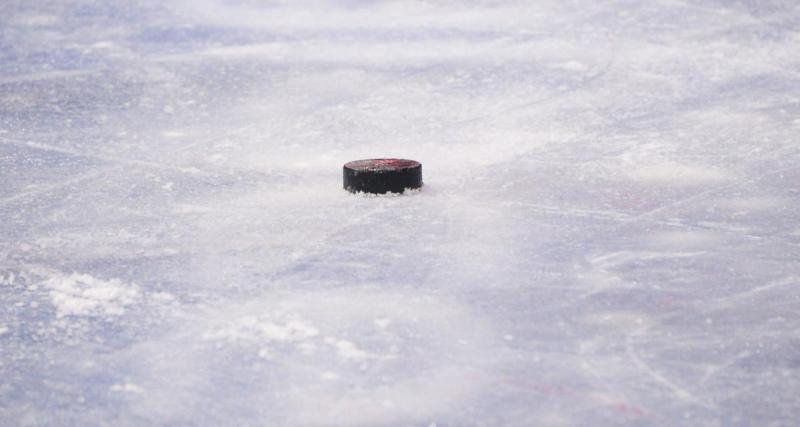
x=380, y=165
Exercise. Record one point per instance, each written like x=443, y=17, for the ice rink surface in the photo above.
x=609, y=233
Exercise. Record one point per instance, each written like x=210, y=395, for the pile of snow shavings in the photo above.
x=83, y=295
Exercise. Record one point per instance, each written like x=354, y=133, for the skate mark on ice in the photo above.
x=678, y=391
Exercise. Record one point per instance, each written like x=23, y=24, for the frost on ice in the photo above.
x=609, y=233
x=84, y=295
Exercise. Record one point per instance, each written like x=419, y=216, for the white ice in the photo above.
x=609, y=233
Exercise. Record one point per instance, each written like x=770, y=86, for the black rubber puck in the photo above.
x=380, y=176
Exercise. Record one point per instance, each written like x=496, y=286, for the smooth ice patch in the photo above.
x=685, y=239
x=619, y=320
x=37, y=20
x=678, y=174
x=753, y=204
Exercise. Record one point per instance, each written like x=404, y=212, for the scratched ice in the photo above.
x=609, y=232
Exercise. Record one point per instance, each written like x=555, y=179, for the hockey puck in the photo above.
x=380, y=176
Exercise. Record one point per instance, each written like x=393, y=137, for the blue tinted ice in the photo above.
x=609, y=233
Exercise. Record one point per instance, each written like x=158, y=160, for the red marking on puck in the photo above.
x=381, y=164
